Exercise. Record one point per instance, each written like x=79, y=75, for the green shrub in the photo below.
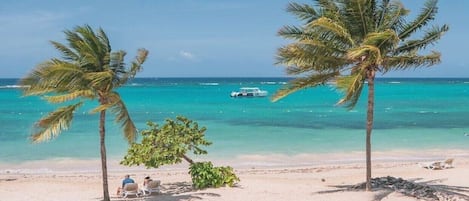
x=204, y=175
x=228, y=176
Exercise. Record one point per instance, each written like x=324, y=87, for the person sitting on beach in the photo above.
x=127, y=180
x=146, y=181
x=150, y=186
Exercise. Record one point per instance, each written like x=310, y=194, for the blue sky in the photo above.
x=192, y=38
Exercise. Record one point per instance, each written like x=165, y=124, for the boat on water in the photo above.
x=249, y=92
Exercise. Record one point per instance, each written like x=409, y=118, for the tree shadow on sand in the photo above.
x=171, y=192
x=427, y=190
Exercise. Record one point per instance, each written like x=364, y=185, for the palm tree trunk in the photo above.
x=369, y=125
x=102, y=133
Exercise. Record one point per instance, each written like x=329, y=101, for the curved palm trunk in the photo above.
x=369, y=125
x=102, y=133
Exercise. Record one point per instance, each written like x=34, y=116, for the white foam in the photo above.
x=268, y=82
x=12, y=86
x=210, y=83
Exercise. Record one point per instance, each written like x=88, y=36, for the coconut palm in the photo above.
x=88, y=70
x=348, y=41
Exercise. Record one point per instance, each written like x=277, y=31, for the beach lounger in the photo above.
x=130, y=189
x=435, y=165
x=448, y=163
x=438, y=165
x=152, y=187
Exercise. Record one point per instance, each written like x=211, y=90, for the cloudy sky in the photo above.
x=192, y=38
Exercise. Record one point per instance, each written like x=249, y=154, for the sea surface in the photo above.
x=410, y=114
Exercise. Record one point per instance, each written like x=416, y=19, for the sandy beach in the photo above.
x=278, y=179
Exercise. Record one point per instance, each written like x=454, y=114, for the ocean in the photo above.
x=410, y=114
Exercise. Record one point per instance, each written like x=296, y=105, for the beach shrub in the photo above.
x=204, y=175
x=228, y=175
x=169, y=144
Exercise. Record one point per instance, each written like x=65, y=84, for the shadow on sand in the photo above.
x=445, y=192
x=172, y=192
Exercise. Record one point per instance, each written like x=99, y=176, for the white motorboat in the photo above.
x=249, y=92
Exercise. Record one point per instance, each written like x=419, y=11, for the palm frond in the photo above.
x=331, y=29
x=302, y=11
x=361, y=13
x=368, y=54
x=67, y=53
x=101, y=107
x=328, y=9
x=52, y=76
x=322, y=64
x=411, y=60
x=136, y=65
x=427, y=14
x=74, y=41
x=352, y=86
x=123, y=117
x=117, y=64
x=312, y=55
x=117, y=107
x=293, y=32
x=70, y=96
x=104, y=39
x=327, y=47
x=384, y=40
x=305, y=82
x=382, y=12
x=101, y=81
x=50, y=126
x=429, y=38
x=295, y=56
x=93, y=49
x=91, y=42
x=393, y=17
x=34, y=83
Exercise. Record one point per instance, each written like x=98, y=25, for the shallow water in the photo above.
x=411, y=114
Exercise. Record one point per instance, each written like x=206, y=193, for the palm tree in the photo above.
x=349, y=41
x=88, y=70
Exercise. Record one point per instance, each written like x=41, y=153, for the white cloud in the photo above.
x=186, y=55
x=34, y=19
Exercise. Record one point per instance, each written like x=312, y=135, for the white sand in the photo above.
x=278, y=178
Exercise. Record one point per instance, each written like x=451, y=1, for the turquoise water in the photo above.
x=411, y=114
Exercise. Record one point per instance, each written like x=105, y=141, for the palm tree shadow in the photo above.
x=170, y=197
x=172, y=192
x=178, y=188
x=447, y=191
x=460, y=191
x=166, y=197
x=382, y=193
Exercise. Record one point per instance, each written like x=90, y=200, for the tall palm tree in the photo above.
x=88, y=70
x=349, y=41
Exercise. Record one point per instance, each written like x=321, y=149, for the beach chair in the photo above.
x=152, y=187
x=435, y=165
x=448, y=163
x=130, y=189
